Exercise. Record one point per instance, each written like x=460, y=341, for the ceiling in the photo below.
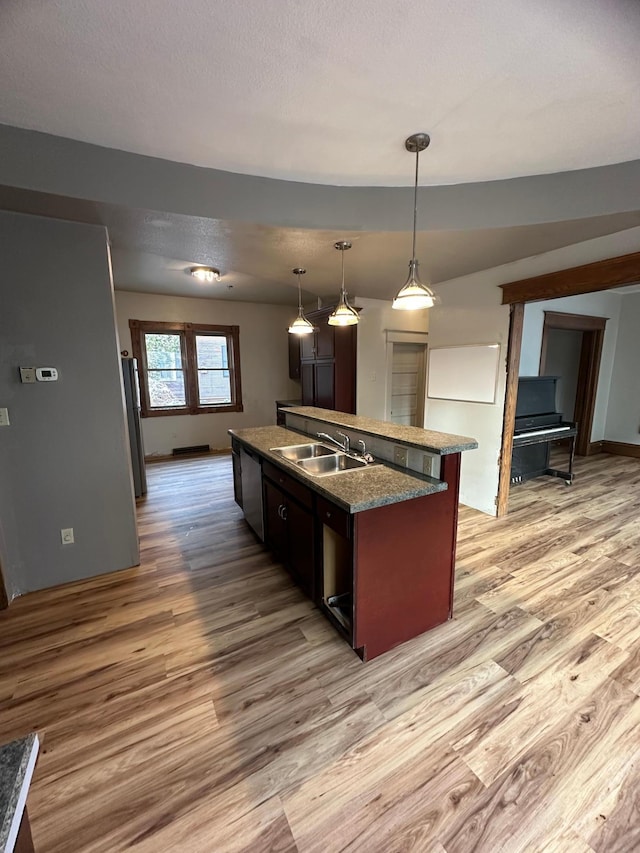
x=321, y=92
x=325, y=90
x=152, y=251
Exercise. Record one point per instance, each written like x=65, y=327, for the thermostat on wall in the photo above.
x=46, y=374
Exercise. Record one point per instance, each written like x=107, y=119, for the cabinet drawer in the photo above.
x=334, y=517
x=288, y=484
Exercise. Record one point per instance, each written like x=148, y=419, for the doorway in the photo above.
x=408, y=375
x=610, y=273
x=572, y=349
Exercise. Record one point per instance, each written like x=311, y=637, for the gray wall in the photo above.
x=63, y=458
x=563, y=360
x=623, y=415
x=66, y=167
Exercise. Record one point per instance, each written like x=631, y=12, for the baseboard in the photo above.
x=217, y=451
x=594, y=447
x=621, y=448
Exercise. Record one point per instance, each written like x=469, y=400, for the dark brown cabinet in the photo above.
x=290, y=526
x=294, y=356
x=328, y=364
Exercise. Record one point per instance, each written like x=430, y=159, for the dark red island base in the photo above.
x=374, y=549
x=404, y=563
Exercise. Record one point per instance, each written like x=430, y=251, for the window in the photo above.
x=186, y=369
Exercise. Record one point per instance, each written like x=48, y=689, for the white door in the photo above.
x=407, y=384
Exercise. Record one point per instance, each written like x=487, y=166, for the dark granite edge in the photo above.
x=471, y=444
x=12, y=779
x=429, y=485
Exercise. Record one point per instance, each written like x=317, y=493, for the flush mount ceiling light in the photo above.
x=207, y=274
x=344, y=314
x=414, y=294
x=300, y=326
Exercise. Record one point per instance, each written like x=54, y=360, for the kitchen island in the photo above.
x=373, y=547
x=17, y=762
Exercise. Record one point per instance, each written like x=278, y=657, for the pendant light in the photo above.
x=300, y=326
x=344, y=314
x=414, y=294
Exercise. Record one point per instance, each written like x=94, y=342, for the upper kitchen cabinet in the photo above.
x=294, y=356
x=328, y=364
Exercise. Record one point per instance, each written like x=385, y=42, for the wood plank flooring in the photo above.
x=200, y=703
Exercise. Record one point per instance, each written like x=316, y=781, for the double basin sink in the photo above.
x=319, y=459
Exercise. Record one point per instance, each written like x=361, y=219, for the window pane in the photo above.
x=211, y=351
x=166, y=389
x=163, y=351
x=214, y=387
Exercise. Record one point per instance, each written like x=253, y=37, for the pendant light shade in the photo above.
x=300, y=326
x=344, y=314
x=414, y=295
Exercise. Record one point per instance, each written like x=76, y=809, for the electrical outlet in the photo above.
x=400, y=456
x=66, y=534
x=427, y=465
x=4, y=417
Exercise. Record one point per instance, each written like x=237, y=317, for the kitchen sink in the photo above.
x=334, y=464
x=297, y=452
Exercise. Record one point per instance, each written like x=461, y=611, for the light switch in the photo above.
x=4, y=417
x=27, y=374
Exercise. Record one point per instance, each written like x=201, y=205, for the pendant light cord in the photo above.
x=342, y=254
x=299, y=295
x=415, y=209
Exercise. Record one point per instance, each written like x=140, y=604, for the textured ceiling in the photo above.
x=152, y=251
x=326, y=90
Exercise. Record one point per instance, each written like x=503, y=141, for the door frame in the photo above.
x=592, y=329
x=398, y=336
x=587, y=278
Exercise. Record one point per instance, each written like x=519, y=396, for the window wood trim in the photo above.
x=188, y=332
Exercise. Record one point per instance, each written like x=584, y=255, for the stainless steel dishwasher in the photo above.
x=252, y=491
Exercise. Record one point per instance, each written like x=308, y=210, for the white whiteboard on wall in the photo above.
x=466, y=373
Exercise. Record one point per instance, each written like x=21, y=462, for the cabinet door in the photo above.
x=325, y=339
x=301, y=546
x=308, y=346
x=307, y=374
x=275, y=516
x=324, y=385
x=294, y=356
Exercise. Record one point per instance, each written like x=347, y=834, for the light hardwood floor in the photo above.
x=201, y=703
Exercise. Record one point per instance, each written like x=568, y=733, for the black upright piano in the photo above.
x=537, y=425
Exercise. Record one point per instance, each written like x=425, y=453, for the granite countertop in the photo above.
x=441, y=443
x=378, y=485
x=17, y=760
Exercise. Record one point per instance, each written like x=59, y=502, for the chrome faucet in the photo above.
x=343, y=445
x=363, y=453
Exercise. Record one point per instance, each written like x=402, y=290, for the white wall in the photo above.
x=471, y=313
x=604, y=304
x=264, y=364
x=623, y=415
x=64, y=458
x=377, y=316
